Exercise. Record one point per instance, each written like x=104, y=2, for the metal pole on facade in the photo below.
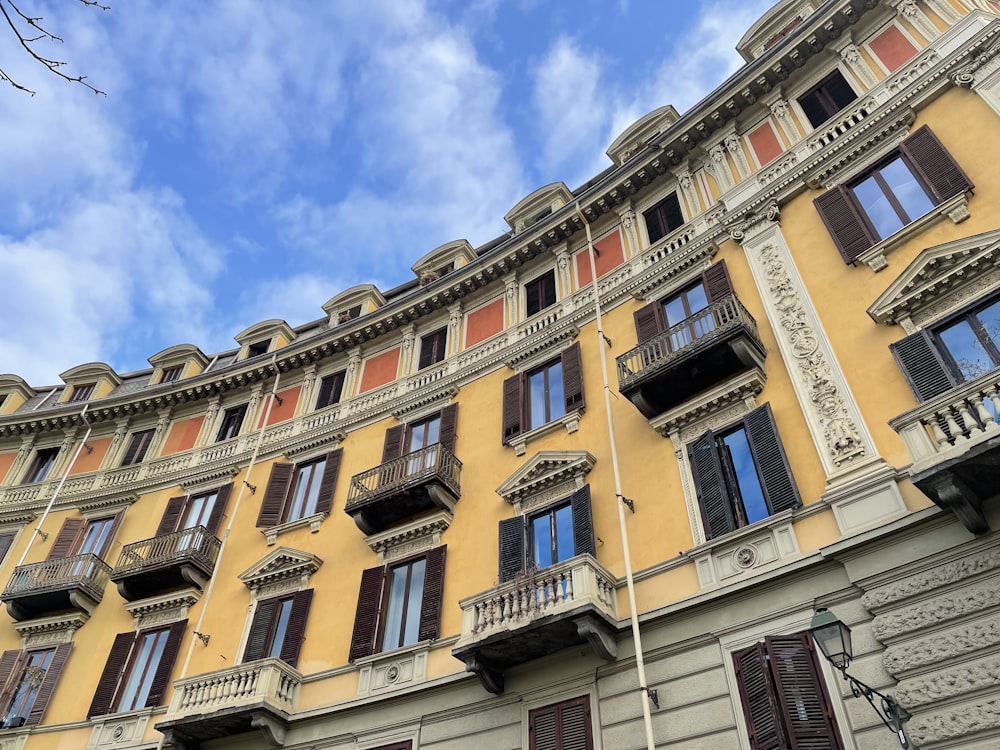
x=619, y=497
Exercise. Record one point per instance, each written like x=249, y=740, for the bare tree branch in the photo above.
x=22, y=24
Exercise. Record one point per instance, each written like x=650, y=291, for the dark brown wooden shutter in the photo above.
x=923, y=366
x=583, y=522
x=430, y=607
x=511, y=547
x=772, y=464
x=219, y=507
x=366, y=618
x=138, y=444
x=161, y=678
x=331, y=470
x=6, y=541
x=107, y=685
x=710, y=485
x=717, y=282
x=330, y=389
x=564, y=726
x=260, y=629
x=393, y=445
x=936, y=167
x=273, y=504
x=296, y=630
x=649, y=321
x=532, y=302
x=846, y=222
x=66, y=539
x=449, y=421
x=512, y=407
x=11, y=665
x=802, y=697
x=48, y=685
x=572, y=373
x=759, y=699
x=171, y=516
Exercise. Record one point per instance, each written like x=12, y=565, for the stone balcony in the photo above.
x=260, y=695
x=954, y=441
x=154, y=566
x=427, y=479
x=65, y=584
x=690, y=357
x=536, y=614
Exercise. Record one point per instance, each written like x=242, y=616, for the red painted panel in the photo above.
x=182, y=435
x=892, y=48
x=765, y=144
x=380, y=369
x=484, y=322
x=611, y=256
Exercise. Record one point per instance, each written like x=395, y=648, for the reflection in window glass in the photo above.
x=545, y=395
x=281, y=627
x=145, y=660
x=552, y=536
x=891, y=197
x=745, y=473
x=402, y=617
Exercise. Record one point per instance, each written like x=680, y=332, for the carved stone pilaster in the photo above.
x=308, y=386
x=782, y=113
x=65, y=454
x=686, y=183
x=734, y=145
x=406, y=348
x=211, y=417
x=160, y=431
x=629, y=231
x=512, y=292
x=454, y=328
x=982, y=74
x=564, y=282
x=833, y=416
x=351, y=377
x=912, y=12
x=945, y=11
x=23, y=452
x=253, y=409
x=718, y=166
x=117, y=447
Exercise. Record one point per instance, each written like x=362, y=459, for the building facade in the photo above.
x=423, y=521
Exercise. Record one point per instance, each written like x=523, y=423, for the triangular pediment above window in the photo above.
x=545, y=472
x=939, y=280
x=282, y=565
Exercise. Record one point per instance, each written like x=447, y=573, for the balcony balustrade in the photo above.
x=260, y=694
x=538, y=613
x=690, y=357
x=954, y=441
x=423, y=480
x=51, y=586
x=153, y=566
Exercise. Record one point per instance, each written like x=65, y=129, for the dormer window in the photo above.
x=81, y=393
x=172, y=374
x=350, y=314
x=258, y=348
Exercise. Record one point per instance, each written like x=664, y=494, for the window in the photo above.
x=138, y=670
x=685, y=305
x=258, y=348
x=404, y=439
x=903, y=187
x=741, y=474
x=278, y=628
x=432, y=348
x=399, y=604
x=349, y=314
x=563, y=726
x=540, y=293
x=543, y=394
x=188, y=512
x=41, y=465
x=962, y=347
x=785, y=702
x=663, y=218
x=81, y=392
x=137, y=447
x=830, y=96
x=232, y=420
x=330, y=389
x=296, y=491
x=27, y=681
x=6, y=542
x=547, y=536
x=171, y=374
x=81, y=536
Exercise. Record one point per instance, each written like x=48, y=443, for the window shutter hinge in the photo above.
x=251, y=487
x=629, y=502
x=653, y=696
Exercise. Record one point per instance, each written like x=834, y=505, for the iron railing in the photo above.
x=433, y=462
x=87, y=572
x=690, y=334
x=196, y=543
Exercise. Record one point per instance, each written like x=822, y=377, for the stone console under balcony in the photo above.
x=537, y=614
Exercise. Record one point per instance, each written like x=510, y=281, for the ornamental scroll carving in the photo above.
x=840, y=433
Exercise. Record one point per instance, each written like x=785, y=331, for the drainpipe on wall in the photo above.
x=619, y=497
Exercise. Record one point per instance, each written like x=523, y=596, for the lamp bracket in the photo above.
x=887, y=709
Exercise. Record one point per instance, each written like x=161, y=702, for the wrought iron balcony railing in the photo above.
x=87, y=572
x=196, y=543
x=398, y=475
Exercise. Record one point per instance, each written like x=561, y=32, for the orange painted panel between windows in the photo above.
x=91, y=461
x=611, y=256
x=765, y=143
x=182, y=435
x=285, y=410
x=892, y=48
x=6, y=461
x=379, y=370
x=484, y=322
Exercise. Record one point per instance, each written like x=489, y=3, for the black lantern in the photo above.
x=833, y=638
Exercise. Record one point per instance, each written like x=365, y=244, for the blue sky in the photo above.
x=253, y=159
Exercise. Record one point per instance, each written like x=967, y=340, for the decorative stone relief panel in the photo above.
x=11, y=741
x=546, y=476
x=45, y=631
x=119, y=731
x=284, y=569
x=747, y=553
x=386, y=672
x=163, y=609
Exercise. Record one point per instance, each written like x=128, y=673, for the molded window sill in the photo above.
x=570, y=421
x=955, y=208
x=313, y=522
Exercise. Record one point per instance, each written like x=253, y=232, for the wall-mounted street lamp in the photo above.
x=834, y=639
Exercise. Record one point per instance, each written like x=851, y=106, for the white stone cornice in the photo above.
x=410, y=538
x=544, y=469
x=281, y=564
x=44, y=631
x=162, y=609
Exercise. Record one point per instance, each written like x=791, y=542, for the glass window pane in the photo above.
x=876, y=205
x=140, y=676
x=557, y=402
x=564, y=533
x=278, y=640
x=966, y=349
x=536, y=399
x=989, y=319
x=394, y=610
x=541, y=535
x=95, y=536
x=411, y=630
x=906, y=189
x=751, y=492
x=697, y=299
x=674, y=308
